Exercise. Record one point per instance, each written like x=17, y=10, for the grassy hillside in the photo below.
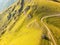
x=25, y=27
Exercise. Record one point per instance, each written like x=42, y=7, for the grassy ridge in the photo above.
x=30, y=35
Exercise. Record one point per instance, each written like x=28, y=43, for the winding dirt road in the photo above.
x=51, y=35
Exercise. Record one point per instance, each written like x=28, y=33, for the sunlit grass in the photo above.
x=26, y=30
